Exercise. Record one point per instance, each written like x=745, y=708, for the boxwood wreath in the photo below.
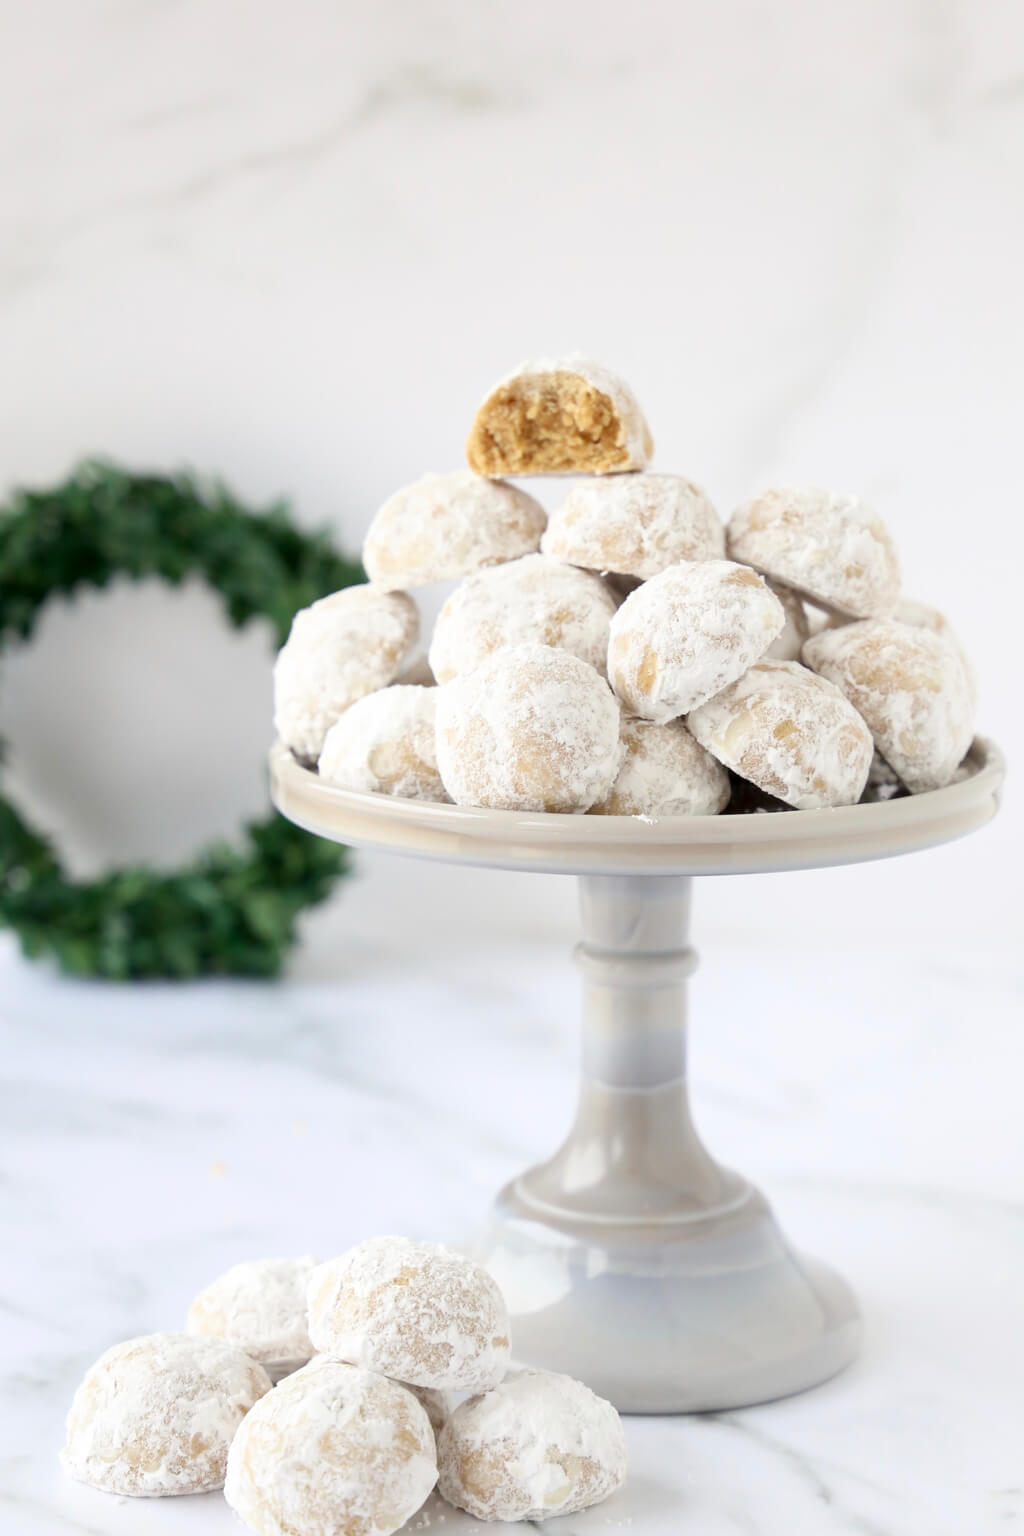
x=231, y=910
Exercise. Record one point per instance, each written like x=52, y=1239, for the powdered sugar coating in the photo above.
x=923, y=616
x=437, y=1405
x=532, y=729
x=418, y=1312
x=789, y=645
x=685, y=634
x=340, y=648
x=384, y=745
x=912, y=688
x=634, y=525
x=534, y=599
x=633, y=444
x=332, y=1451
x=829, y=547
x=444, y=526
x=261, y=1307
x=665, y=772
x=790, y=733
x=541, y=1444
x=155, y=1415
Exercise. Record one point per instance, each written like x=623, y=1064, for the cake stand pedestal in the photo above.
x=631, y=1259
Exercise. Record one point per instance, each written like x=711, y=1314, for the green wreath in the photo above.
x=232, y=910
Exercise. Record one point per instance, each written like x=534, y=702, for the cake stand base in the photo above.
x=631, y=1259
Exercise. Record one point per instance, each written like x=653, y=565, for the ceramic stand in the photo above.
x=631, y=1259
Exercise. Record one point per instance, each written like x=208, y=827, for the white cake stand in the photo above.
x=631, y=1259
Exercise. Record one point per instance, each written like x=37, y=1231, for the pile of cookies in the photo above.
x=371, y=1352
x=631, y=656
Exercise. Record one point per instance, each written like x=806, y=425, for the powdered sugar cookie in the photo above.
x=685, y=634
x=912, y=688
x=566, y=415
x=634, y=525
x=541, y=1444
x=664, y=772
x=529, y=600
x=788, y=645
x=923, y=616
x=339, y=649
x=417, y=1312
x=780, y=728
x=332, y=1450
x=437, y=1405
x=260, y=1306
x=445, y=526
x=827, y=546
x=155, y=1416
x=532, y=729
x=384, y=745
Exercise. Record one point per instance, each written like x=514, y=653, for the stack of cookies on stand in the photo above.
x=630, y=655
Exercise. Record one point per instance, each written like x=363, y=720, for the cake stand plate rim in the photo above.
x=668, y=845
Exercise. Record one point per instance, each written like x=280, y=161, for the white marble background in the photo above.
x=293, y=245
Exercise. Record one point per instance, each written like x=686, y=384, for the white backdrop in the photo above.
x=294, y=246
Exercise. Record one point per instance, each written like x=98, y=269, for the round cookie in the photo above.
x=384, y=745
x=683, y=635
x=923, y=616
x=529, y=600
x=566, y=415
x=540, y=1444
x=789, y=732
x=437, y=1405
x=260, y=1306
x=664, y=772
x=532, y=729
x=333, y=1449
x=912, y=688
x=445, y=526
x=634, y=525
x=417, y=1312
x=340, y=648
x=829, y=547
x=155, y=1415
x=789, y=645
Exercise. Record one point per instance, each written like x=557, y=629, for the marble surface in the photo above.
x=152, y=1136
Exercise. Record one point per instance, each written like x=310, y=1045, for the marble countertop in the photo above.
x=153, y=1136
